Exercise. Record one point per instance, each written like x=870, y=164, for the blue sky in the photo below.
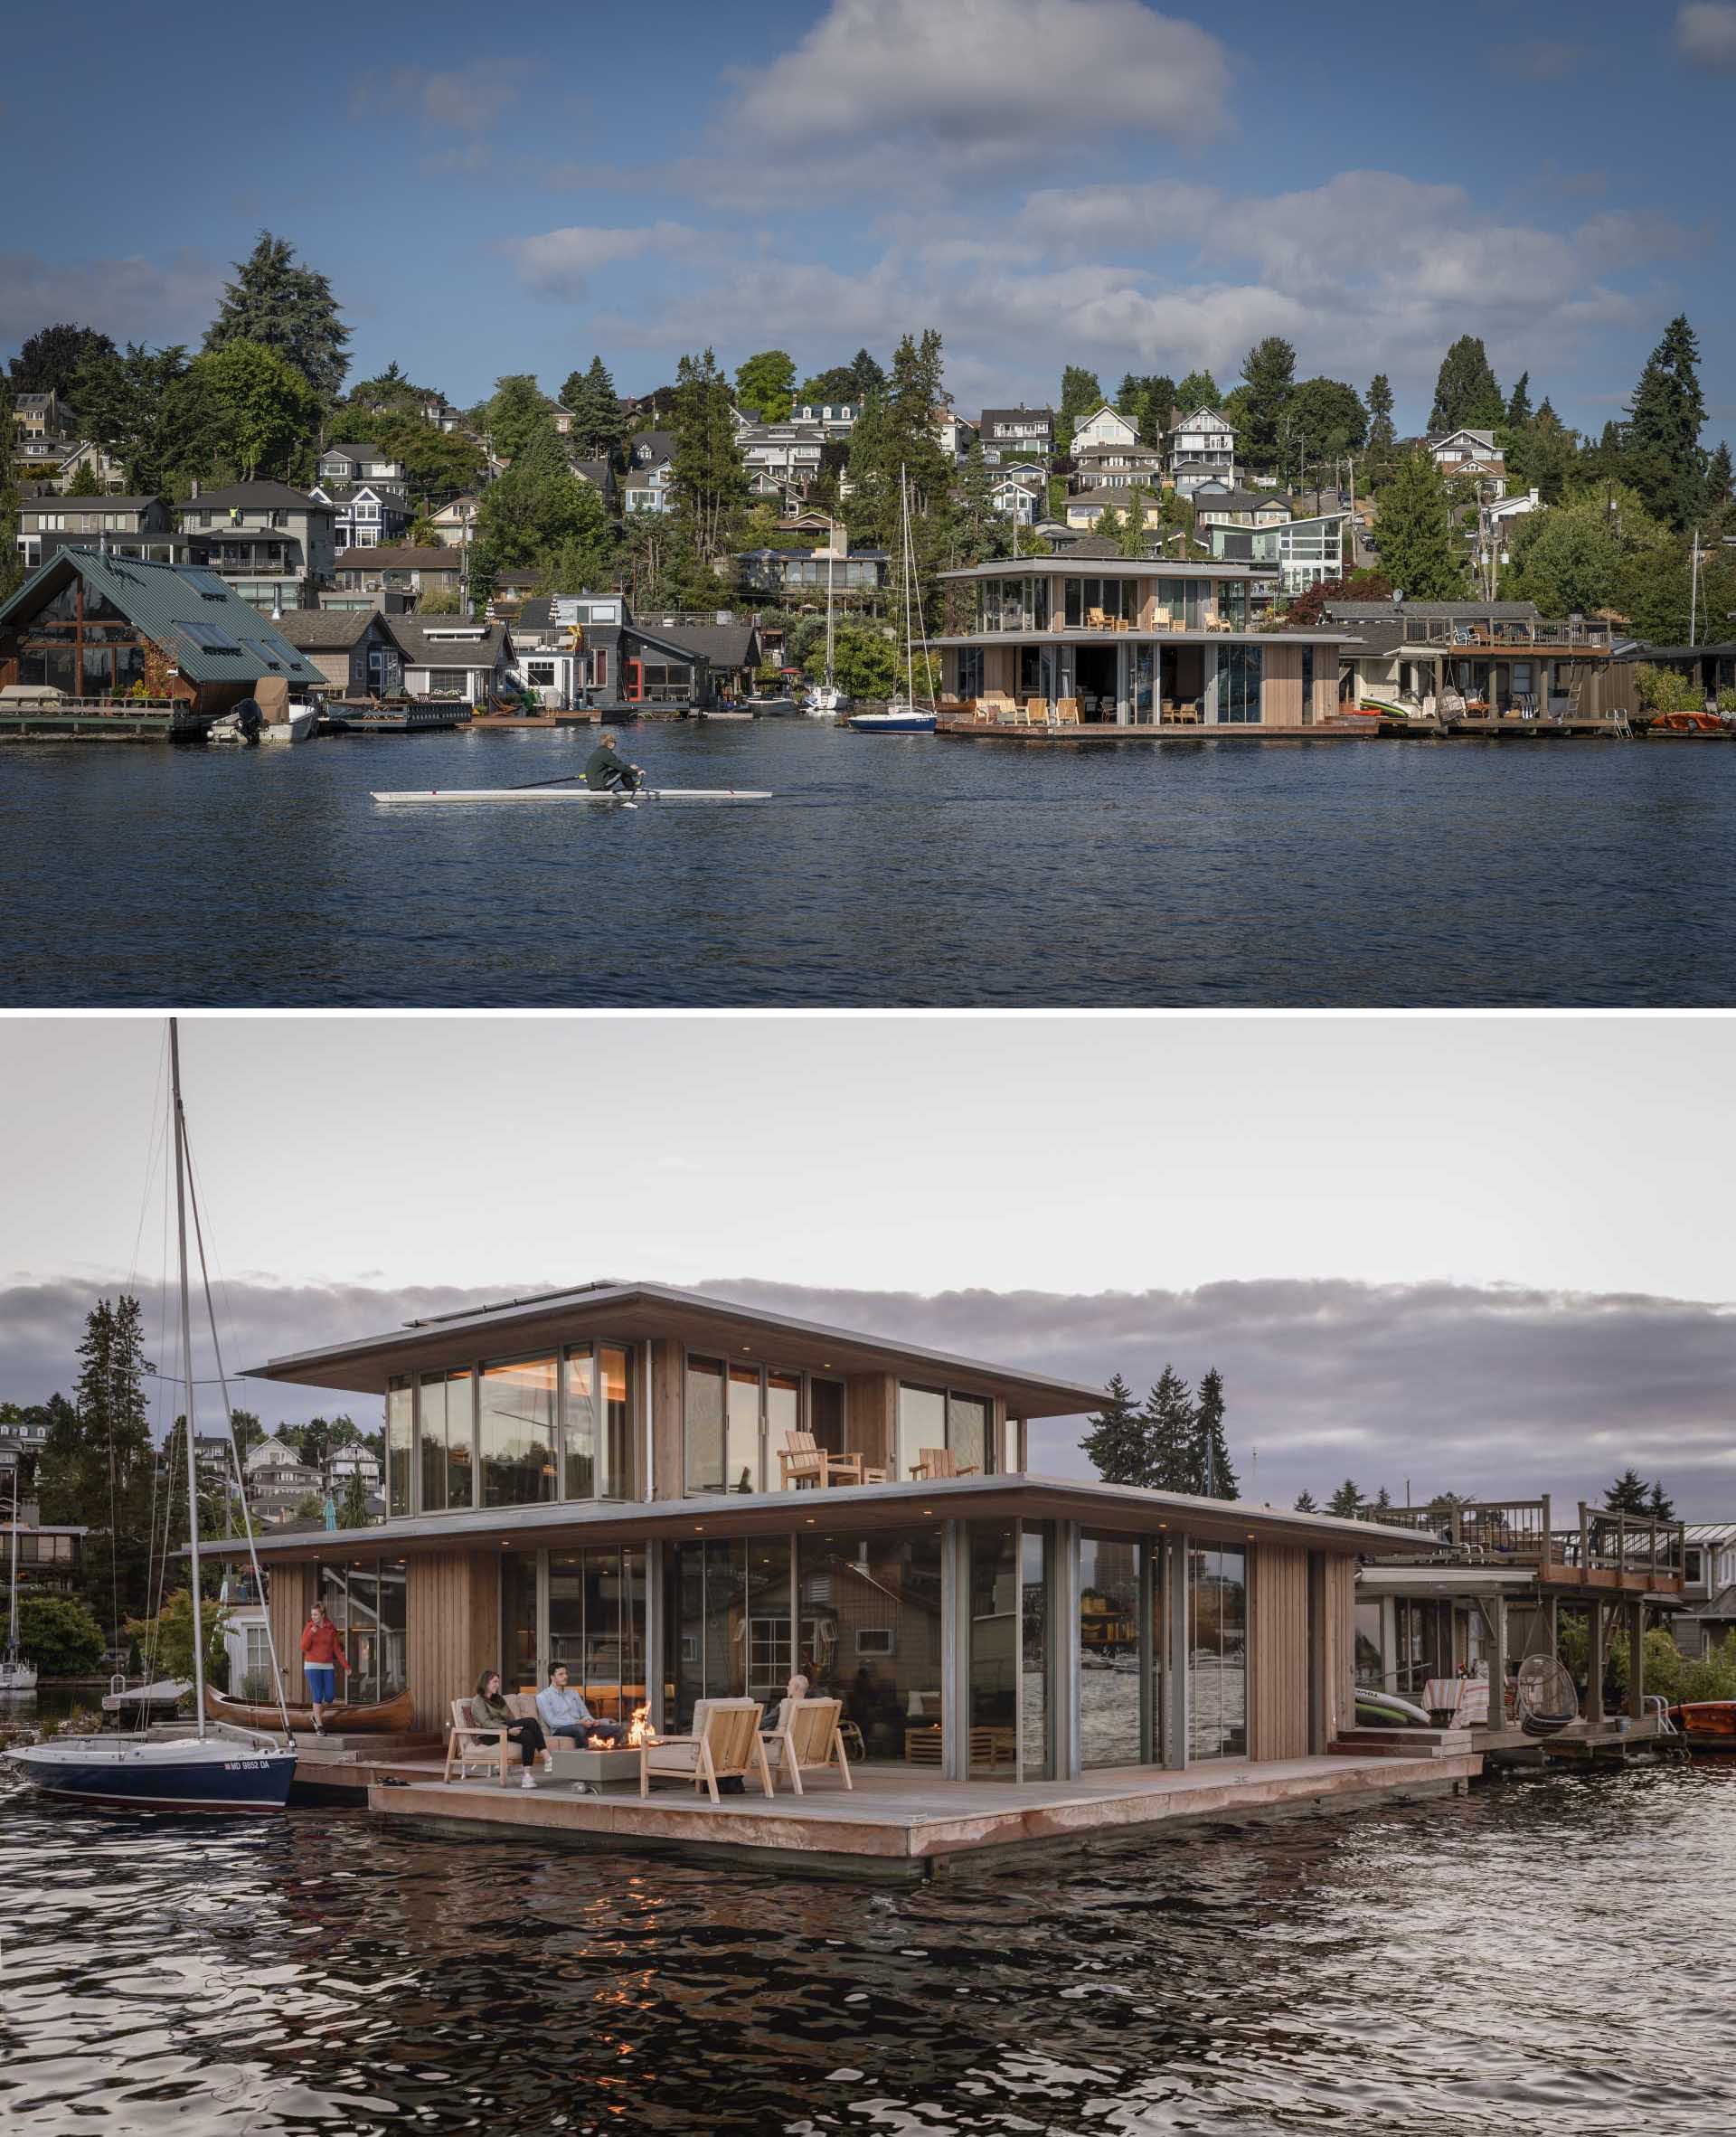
x=1044, y=180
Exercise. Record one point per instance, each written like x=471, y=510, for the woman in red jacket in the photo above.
x=322, y=1656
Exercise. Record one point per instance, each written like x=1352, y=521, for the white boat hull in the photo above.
x=299, y=727
x=720, y=797
x=17, y=1677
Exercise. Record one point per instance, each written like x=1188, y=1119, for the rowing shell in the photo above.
x=602, y=798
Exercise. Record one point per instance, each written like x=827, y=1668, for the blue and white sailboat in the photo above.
x=220, y=1767
x=907, y=714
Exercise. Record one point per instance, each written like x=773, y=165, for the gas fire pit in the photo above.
x=596, y=1769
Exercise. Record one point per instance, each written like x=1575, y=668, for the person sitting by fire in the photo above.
x=565, y=1714
x=489, y=1710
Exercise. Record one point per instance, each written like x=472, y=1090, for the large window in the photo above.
x=933, y=1417
x=739, y=1420
x=1240, y=672
x=364, y=1598
x=1036, y=1741
x=597, y=1626
x=1217, y=1621
x=399, y=1446
x=869, y=1633
x=703, y=1416
x=515, y=1416
x=1111, y=1642
x=996, y=1607
x=731, y=1628
x=447, y=1471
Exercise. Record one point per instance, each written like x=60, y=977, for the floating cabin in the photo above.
x=1441, y=1628
x=603, y=1476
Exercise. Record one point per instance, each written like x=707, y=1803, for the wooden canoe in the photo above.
x=389, y=1717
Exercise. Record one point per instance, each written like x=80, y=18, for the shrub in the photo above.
x=58, y=1635
x=1662, y=690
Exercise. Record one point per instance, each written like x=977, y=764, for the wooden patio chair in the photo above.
x=801, y=1458
x=1036, y=712
x=1096, y=620
x=725, y=1744
x=934, y=1462
x=1160, y=620
x=811, y=1741
x=466, y=1745
x=1067, y=711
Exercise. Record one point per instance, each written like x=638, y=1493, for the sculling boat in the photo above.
x=599, y=798
x=227, y=1769
x=386, y=1717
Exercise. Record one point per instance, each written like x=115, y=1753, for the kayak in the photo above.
x=603, y=797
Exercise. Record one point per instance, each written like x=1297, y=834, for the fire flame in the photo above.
x=640, y=1731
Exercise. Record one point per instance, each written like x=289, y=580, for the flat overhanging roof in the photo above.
x=1145, y=638
x=1060, y=565
x=636, y=1312
x=846, y=1509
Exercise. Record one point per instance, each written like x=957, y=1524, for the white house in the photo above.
x=1017, y=500
x=456, y=524
x=452, y=656
x=1107, y=427
x=1202, y=447
x=648, y=488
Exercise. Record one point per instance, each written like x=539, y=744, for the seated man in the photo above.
x=609, y=773
x=564, y=1713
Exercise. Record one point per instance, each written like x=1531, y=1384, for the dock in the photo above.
x=365, y=716
x=1106, y=732
x=103, y=719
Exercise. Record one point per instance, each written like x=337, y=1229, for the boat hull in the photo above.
x=17, y=1677
x=391, y=1717
x=1707, y=1726
x=892, y=723
x=228, y=1777
x=720, y=796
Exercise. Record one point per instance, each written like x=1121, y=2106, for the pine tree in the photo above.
x=1718, y=477
x=1269, y=377
x=1380, y=433
x=1466, y=392
x=1115, y=1438
x=1213, y=1474
x=869, y=377
x=1156, y=411
x=599, y=426
x=99, y=1464
x=515, y=413
x=84, y=483
x=1659, y=1505
x=1080, y=396
x=1664, y=462
x=710, y=481
x=1306, y=1502
x=286, y=309
x=1131, y=539
x=1347, y=1500
x=1198, y=390
x=1628, y=1494
x=1519, y=402
x=1168, y=1421
x=1383, y=1501
x=978, y=530
x=1419, y=553
x=353, y=1508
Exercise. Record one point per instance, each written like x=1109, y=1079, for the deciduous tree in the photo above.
x=764, y=385
x=56, y=1633
x=1198, y=390
x=265, y=411
x=515, y=413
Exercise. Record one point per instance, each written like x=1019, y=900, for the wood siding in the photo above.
x=871, y=1417
x=291, y=1589
x=668, y=1479
x=1280, y=704
x=452, y=1604
x=1339, y=1630
x=1277, y=1652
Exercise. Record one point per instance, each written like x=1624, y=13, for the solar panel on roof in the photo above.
x=209, y=640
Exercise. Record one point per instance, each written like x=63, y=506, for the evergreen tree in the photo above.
x=1347, y=1500
x=11, y=561
x=1465, y=392
x=1080, y=396
x=710, y=480
x=98, y=1465
x=1156, y=411
x=1306, y=1502
x=1718, y=478
x=1131, y=540
x=1628, y=1494
x=539, y=511
x=1660, y=1505
x=1129, y=395
x=1168, y=1421
x=1418, y=552
x=286, y=309
x=48, y=362
x=1269, y=379
x=1198, y=390
x=1213, y=1473
x=1664, y=462
x=1115, y=1438
x=606, y=421
x=1541, y=455
x=829, y=387
x=764, y=385
x=1519, y=402
x=866, y=376
x=1325, y=421
x=515, y=413
x=1380, y=433
x=1382, y=1502
x=978, y=530
x=84, y=483
x=353, y=1508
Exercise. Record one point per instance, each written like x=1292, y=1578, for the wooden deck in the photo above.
x=1089, y=732
x=900, y=1822
x=1614, y=1740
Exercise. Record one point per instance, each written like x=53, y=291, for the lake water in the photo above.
x=887, y=871
x=1543, y=1955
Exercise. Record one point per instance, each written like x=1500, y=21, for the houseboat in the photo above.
x=681, y=1497
x=1485, y=666
x=1087, y=640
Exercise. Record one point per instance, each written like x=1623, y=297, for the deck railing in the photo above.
x=1514, y=635
x=1524, y=1531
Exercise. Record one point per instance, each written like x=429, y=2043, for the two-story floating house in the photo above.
x=1136, y=643
x=603, y=1478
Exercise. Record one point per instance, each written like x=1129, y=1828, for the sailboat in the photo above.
x=220, y=1767
x=825, y=701
x=905, y=715
x=16, y=1674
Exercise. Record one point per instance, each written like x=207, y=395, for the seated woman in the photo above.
x=489, y=1710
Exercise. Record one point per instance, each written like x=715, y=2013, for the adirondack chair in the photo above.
x=1067, y=711
x=934, y=1462
x=466, y=1745
x=811, y=1741
x=802, y=1459
x=1097, y=619
x=725, y=1741
x=1036, y=712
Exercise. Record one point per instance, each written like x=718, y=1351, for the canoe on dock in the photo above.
x=604, y=798
x=390, y=1717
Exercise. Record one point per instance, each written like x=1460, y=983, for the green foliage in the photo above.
x=710, y=481
x=539, y=508
x=1213, y=1474
x=600, y=427
x=515, y=414
x=438, y=465
x=1115, y=1438
x=1663, y=690
x=978, y=530
x=105, y=1430
x=1305, y=1502
x=48, y=361
x=764, y=385
x=265, y=412
x=1627, y=1495
x=1564, y=559
x=1327, y=420
x=1418, y=552
x=833, y=387
x=1268, y=381
x=1466, y=392
x=1305, y=611
x=1718, y=478
x=1519, y=402
x=1661, y=452
x=353, y=1508
x=1540, y=455
x=1347, y=1500
x=865, y=661
x=1130, y=535
x=1380, y=411
x=166, y=1639
x=1080, y=395
x=57, y=1633
x=896, y=432
x=1671, y=1674
x=84, y=483
x=276, y=305
x=1198, y=390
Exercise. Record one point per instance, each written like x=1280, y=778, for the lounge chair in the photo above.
x=1067, y=711
x=466, y=1745
x=811, y=1741
x=934, y=1462
x=1160, y=620
x=1096, y=620
x=725, y=1744
x=1036, y=712
x=801, y=1460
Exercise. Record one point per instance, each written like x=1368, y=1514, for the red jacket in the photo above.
x=321, y=1645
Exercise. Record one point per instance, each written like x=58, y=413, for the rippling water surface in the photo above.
x=1541, y=1956
x=887, y=871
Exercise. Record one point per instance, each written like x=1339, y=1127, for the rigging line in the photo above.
x=151, y=1151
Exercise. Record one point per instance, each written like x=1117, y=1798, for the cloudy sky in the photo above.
x=1490, y=1253
x=1044, y=180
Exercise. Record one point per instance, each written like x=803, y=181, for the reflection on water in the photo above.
x=887, y=871
x=1539, y=1956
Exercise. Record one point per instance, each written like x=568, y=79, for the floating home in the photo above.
x=1130, y=643
x=602, y=1478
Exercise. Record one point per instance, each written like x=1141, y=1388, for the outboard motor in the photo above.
x=248, y=718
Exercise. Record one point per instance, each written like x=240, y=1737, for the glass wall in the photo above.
x=596, y=1625
x=1217, y=1612
x=446, y=1404
x=730, y=1623
x=1036, y=1743
x=1109, y=1649
x=932, y=1417
x=579, y=1425
x=620, y=1477
x=516, y=1421
x=995, y=1618
x=967, y=1420
x=741, y=1431
x=1241, y=669
x=704, y=1424
x=364, y=1598
x=739, y=1420
x=1084, y=599
x=869, y=1635
x=399, y=1446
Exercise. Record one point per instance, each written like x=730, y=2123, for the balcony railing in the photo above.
x=1572, y=634
x=1523, y=1532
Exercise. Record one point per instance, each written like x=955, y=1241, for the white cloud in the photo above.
x=1706, y=35
x=560, y=262
x=131, y=299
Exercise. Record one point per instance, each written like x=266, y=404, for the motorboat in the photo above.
x=300, y=726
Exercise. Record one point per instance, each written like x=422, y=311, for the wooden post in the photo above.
x=1585, y=1542
x=1594, y=1664
x=1548, y=1538
x=1498, y=1664
x=1637, y=1658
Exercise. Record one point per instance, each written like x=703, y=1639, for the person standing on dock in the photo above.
x=606, y=771
x=322, y=1657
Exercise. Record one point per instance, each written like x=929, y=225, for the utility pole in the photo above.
x=1694, y=588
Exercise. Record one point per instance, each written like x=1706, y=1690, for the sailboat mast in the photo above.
x=11, y=1610
x=186, y=1359
x=831, y=551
